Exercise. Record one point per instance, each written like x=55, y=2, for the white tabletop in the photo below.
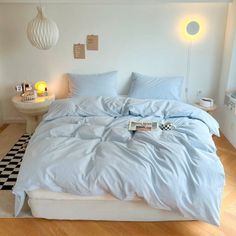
x=43, y=101
x=37, y=100
x=206, y=108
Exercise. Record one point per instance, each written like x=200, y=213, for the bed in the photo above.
x=83, y=163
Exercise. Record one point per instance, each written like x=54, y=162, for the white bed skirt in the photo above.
x=51, y=205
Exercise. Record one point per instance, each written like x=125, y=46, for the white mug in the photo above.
x=207, y=102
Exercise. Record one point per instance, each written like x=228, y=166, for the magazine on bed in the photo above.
x=142, y=125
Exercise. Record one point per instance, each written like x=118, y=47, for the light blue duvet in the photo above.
x=83, y=147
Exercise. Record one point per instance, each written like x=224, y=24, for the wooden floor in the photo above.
x=40, y=227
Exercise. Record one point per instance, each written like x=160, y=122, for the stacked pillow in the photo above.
x=93, y=84
x=142, y=86
x=147, y=87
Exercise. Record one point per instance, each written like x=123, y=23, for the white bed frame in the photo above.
x=109, y=209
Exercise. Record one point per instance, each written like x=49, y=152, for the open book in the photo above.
x=142, y=125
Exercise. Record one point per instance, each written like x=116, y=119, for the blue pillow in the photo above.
x=93, y=85
x=147, y=87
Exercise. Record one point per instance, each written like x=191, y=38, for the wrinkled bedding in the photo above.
x=83, y=147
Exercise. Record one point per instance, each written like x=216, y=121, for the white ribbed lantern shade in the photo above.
x=42, y=32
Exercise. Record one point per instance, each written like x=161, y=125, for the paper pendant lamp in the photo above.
x=42, y=32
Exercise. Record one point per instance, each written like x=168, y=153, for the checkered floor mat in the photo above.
x=10, y=164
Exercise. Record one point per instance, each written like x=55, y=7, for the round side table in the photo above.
x=207, y=109
x=33, y=110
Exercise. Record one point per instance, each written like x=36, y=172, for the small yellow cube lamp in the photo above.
x=40, y=87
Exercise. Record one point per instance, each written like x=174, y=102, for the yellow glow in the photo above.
x=58, y=85
x=40, y=87
x=183, y=28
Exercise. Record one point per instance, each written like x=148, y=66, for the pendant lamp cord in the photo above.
x=188, y=70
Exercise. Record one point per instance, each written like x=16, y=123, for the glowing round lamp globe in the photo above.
x=193, y=28
x=40, y=87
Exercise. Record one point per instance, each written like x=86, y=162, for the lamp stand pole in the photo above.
x=189, y=52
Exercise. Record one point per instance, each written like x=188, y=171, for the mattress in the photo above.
x=44, y=194
x=53, y=205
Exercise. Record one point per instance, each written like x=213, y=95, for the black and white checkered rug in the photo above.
x=10, y=164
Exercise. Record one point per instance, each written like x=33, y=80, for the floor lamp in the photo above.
x=192, y=30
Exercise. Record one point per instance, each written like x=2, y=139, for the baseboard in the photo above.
x=14, y=120
x=2, y=127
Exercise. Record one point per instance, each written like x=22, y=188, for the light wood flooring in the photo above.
x=40, y=227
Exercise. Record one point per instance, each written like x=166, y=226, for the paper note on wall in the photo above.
x=92, y=42
x=79, y=51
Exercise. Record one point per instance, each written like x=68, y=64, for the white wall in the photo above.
x=232, y=72
x=141, y=38
x=1, y=86
x=228, y=77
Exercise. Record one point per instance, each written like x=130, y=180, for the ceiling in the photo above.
x=111, y=1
